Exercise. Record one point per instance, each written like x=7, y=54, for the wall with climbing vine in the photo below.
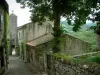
x=6, y=33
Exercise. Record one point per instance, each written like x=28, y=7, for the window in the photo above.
x=23, y=35
x=19, y=35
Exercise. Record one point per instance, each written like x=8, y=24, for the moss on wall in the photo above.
x=6, y=32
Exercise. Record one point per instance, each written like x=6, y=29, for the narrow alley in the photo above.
x=18, y=67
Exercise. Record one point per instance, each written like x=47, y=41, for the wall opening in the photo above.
x=1, y=57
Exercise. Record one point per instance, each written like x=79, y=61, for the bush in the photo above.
x=94, y=59
x=63, y=56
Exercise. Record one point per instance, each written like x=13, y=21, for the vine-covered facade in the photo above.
x=3, y=35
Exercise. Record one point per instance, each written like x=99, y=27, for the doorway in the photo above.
x=2, y=57
x=13, y=50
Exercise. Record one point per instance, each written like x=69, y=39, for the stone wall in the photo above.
x=67, y=68
x=41, y=50
x=44, y=62
x=53, y=66
x=35, y=57
x=72, y=45
x=69, y=44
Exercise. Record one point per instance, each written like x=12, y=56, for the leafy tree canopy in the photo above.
x=76, y=10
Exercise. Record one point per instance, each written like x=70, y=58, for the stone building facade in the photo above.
x=21, y=41
x=13, y=32
x=35, y=42
x=3, y=35
x=29, y=32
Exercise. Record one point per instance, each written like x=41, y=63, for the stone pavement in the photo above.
x=18, y=67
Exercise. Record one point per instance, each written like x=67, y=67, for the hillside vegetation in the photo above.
x=84, y=33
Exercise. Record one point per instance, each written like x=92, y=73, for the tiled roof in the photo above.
x=40, y=40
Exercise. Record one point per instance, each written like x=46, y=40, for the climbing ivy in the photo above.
x=6, y=32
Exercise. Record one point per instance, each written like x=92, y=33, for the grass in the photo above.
x=81, y=59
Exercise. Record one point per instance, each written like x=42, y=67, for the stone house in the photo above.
x=3, y=36
x=35, y=42
x=29, y=32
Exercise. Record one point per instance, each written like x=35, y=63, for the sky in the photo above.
x=22, y=14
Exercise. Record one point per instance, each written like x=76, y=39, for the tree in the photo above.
x=97, y=27
x=76, y=10
x=96, y=17
x=95, y=13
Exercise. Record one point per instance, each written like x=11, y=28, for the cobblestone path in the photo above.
x=18, y=67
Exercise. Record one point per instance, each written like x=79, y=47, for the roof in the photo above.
x=13, y=15
x=20, y=27
x=40, y=40
x=30, y=44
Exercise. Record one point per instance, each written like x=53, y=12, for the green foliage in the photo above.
x=76, y=10
x=6, y=32
x=86, y=35
x=75, y=60
x=63, y=56
x=95, y=12
x=41, y=9
x=96, y=28
x=88, y=58
x=69, y=59
x=94, y=59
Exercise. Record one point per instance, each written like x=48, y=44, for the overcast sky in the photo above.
x=23, y=14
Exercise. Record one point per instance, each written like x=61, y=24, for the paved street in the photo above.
x=18, y=67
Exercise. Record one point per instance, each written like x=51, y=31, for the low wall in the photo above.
x=35, y=58
x=67, y=68
x=53, y=66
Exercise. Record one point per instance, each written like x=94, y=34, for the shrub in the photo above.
x=63, y=56
x=94, y=59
